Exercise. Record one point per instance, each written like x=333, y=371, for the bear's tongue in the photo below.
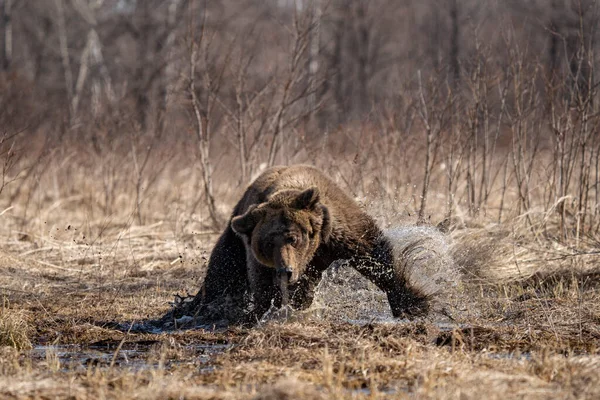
x=283, y=279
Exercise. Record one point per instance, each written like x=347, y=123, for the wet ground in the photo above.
x=133, y=356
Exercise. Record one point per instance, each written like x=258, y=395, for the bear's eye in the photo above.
x=293, y=240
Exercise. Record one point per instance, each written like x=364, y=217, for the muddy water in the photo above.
x=132, y=356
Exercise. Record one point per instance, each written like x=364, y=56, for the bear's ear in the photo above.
x=325, y=225
x=307, y=199
x=244, y=224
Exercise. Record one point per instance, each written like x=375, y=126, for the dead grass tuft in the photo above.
x=14, y=329
x=290, y=389
x=511, y=252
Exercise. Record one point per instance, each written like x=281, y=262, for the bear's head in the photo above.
x=285, y=232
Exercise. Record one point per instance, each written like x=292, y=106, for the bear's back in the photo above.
x=300, y=177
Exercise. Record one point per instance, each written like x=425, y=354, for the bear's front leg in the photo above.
x=223, y=292
x=302, y=292
x=263, y=288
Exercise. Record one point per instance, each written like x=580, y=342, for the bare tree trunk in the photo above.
x=336, y=66
x=425, y=116
x=140, y=78
x=363, y=56
x=91, y=56
x=436, y=40
x=241, y=129
x=553, y=48
x=454, y=47
x=202, y=133
x=470, y=178
x=278, y=126
x=64, y=50
x=504, y=187
x=313, y=68
x=84, y=61
x=424, y=193
x=99, y=62
x=167, y=74
x=96, y=97
x=7, y=44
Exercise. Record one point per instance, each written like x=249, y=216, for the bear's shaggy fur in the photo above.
x=290, y=225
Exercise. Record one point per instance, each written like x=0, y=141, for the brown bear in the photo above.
x=291, y=224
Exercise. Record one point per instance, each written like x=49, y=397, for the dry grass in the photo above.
x=104, y=218
x=73, y=274
x=14, y=329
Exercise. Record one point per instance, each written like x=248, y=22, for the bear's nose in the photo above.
x=285, y=272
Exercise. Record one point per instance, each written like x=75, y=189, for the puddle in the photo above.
x=383, y=319
x=519, y=356
x=382, y=391
x=132, y=355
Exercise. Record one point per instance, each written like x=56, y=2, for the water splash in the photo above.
x=423, y=255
